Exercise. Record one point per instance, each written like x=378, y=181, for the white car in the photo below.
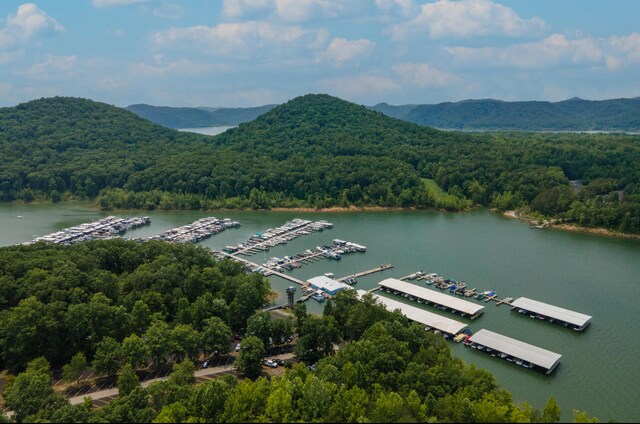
x=238, y=347
x=270, y=363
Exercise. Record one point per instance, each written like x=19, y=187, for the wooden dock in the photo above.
x=368, y=272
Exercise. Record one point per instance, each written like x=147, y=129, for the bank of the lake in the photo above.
x=590, y=274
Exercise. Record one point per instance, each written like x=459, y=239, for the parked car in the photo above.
x=206, y=364
x=270, y=363
x=279, y=361
x=238, y=347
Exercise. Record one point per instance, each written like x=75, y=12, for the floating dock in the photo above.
x=544, y=311
x=419, y=315
x=104, y=228
x=196, y=231
x=515, y=351
x=381, y=268
x=440, y=300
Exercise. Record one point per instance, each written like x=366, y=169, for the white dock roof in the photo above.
x=328, y=284
x=521, y=350
x=444, y=324
x=433, y=296
x=550, y=311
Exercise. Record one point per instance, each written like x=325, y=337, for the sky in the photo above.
x=240, y=53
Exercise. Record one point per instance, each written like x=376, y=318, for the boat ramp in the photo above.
x=104, y=228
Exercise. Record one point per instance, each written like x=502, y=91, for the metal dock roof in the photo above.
x=521, y=350
x=438, y=322
x=551, y=311
x=433, y=296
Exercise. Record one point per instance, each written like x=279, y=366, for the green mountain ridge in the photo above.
x=488, y=114
x=313, y=151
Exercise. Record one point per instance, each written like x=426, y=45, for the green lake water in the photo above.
x=595, y=275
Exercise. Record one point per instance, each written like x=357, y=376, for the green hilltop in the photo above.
x=313, y=151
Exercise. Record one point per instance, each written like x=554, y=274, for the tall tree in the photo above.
x=249, y=360
x=73, y=370
x=107, y=358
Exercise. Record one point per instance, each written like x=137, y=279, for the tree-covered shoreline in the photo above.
x=315, y=151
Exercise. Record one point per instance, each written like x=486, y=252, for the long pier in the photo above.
x=368, y=272
x=271, y=271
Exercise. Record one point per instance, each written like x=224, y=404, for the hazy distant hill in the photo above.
x=569, y=115
x=192, y=117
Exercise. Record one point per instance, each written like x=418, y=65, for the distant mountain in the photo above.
x=569, y=115
x=192, y=117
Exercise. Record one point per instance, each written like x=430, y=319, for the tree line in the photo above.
x=314, y=151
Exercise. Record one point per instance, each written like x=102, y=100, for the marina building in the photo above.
x=328, y=285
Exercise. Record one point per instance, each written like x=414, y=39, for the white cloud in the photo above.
x=423, y=75
x=242, y=39
x=28, y=23
x=5, y=89
x=168, y=11
x=405, y=7
x=556, y=50
x=111, y=3
x=358, y=88
x=466, y=18
x=288, y=10
x=53, y=66
x=162, y=67
x=340, y=50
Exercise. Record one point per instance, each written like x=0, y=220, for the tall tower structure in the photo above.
x=291, y=291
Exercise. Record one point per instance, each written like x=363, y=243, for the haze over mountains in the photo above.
x=484, y=115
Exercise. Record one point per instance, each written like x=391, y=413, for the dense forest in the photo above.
x=314, y=151
x=116, y=307
x=487, y=114
x=193, y=117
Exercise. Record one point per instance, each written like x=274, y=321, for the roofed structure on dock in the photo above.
x=328, y=285
x=419, y=315
x=458, y=305
x=576, y=319
x=517, y=349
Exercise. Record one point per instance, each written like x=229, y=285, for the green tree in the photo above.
x=107, y=358
x=259, y=325
x=135, y=351
x=249, y=360
x=583, y=417
x=182, y=373
x=157, y=338
x=174, y=413
x=215, y=336
x=185, y=341
x=128, y=380
x=73, y=370
x=32, y=393
x=551, y=412
x=209, y=398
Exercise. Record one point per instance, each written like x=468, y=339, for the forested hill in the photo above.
x=569, y=115
x=191, y=117
x=313, y=151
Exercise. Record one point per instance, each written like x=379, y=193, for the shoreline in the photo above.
x=599, y=231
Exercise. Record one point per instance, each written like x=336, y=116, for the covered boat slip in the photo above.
x=431, y=296
x=435, y=321
x=515, y=349
x=552, y=313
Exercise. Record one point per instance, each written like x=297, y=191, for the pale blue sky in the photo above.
x=254, y=52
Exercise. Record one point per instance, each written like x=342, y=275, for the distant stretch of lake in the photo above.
x=207, y=130
x=594, y=275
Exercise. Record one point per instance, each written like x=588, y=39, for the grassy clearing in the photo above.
x=444, y=200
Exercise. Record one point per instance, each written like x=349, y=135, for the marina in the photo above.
x=196, y=231
x=545, y=312
x=515, y=351
x=430, y=297
x=272, y=237
x=104, y=228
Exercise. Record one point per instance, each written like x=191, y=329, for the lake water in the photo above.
x=594, y=275
x=206, y=130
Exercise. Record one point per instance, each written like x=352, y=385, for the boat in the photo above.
x=19, y=216
x=519, y=362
